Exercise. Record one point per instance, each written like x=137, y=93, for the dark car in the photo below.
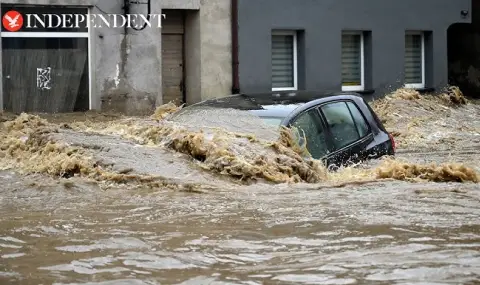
x=340, y=128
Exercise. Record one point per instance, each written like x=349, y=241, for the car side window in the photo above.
x=341, y=124
x=362, y=126
x=309, y=122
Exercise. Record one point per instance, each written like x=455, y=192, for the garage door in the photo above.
x=172, y=56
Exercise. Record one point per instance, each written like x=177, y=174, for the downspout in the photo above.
x=235, y=80
x=124, y=45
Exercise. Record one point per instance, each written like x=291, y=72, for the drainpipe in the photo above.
x=235, y=80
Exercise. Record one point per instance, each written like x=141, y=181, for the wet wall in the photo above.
x=128, y=62
x=320, y=24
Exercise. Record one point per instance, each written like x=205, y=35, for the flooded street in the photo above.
x=381, y=233
x=143, y=201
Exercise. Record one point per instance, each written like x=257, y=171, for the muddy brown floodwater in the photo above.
x=104, y=199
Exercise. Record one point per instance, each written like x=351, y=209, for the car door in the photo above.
x=310, y=124
x=348, y=131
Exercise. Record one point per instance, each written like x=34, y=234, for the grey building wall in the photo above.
x=127, y=64
x=320, y=24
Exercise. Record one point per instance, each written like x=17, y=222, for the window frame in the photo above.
x=295, y=58
x=419, y=85
x=360, y=87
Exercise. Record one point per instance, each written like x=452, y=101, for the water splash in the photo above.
x=34, y=145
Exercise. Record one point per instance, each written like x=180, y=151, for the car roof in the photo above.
x=272, y=104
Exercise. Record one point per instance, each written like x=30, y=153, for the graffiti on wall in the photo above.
x=44, y=78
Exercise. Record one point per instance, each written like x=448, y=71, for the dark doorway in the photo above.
x=47, y=75
x=464, y=54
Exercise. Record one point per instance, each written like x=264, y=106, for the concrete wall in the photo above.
x=208, y=42
x=127, y=63
x=216, y=43
x=321, y=24
x=207, y=57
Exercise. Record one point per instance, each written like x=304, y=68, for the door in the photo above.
x=348, y=131
x=45, y=74
x=172, y=57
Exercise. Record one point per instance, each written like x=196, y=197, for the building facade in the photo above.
x=121, y=69
x=371, y=46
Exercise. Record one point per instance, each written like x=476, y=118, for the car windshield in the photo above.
x=229, y=119
x=273, y=121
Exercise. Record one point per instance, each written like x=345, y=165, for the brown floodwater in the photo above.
x=104, y=199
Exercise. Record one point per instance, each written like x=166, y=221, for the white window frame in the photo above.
x=295, y=58
x=360, y=87
x=422, y=84
x=90, y=44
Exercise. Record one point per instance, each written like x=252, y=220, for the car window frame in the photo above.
x=324, y=119
x=323, y=123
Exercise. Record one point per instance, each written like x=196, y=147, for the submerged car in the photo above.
x=339, y=128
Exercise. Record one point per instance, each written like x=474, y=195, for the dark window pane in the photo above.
x=282, y=61
x=341, y=124
x=351, y=60
x=362, y=125
x=413, y=59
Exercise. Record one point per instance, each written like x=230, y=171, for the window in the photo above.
x=352, y=61
x=284, y=60
x=362, y=126
x=341, y=124
x=309, y=122
x=414, y=60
